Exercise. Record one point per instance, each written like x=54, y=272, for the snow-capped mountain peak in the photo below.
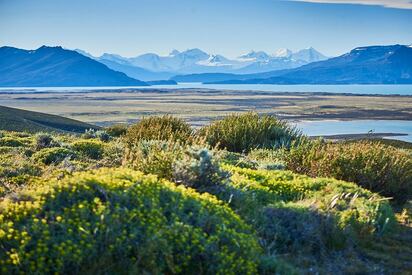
x=174, y=52
x=255, y=56
x=216, y=60
x=197, y=61
x=308, y=55
x=282, y=53
x=195, y=53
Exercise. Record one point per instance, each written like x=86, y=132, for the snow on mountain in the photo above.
x=216, y=60
x=174, y=52
x=254, y=56
x=282, y=53
x=308, y=55
x=198, y=61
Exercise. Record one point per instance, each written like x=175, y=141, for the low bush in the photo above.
x=244, y=132
x=192, y=165
x=16, y=169
x=311, y=220
x=44, y=140
x=116, y=130
x=268, y=159
x=55, y=155
x=120, y=221
x=11, y=142
x=374, y=166
x=198, y=168
x=159, y=128
x=153, y=157
x=99, y=134
x=89, y=148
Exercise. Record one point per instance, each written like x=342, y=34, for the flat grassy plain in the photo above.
x=198, y=106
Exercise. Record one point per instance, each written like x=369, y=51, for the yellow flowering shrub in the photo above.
x=354, y=206
x=116, y=220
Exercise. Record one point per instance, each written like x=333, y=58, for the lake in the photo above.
x=334, y=127
x=339, y=89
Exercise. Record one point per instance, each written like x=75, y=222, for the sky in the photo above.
x=228, y=27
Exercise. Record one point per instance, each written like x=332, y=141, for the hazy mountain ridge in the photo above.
x=151, y=66
x=55, y=66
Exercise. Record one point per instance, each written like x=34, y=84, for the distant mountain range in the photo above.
x=363, y=65
x=55, y=66
x=152, y=66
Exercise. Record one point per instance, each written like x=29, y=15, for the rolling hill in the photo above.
x=12, y=119
x=55, y=66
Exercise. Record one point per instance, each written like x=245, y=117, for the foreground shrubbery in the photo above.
x=113, y=221
x=312, y=219
x=158, y=128
x=374, y=166
x=54, y=219
x=192, y=165
x=244, y=132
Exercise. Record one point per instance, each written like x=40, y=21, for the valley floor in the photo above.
x=198, y=106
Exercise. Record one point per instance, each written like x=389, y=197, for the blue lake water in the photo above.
x=334, y=127
x=355, y=89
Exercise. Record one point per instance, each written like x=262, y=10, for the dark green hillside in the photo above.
x=12, y=119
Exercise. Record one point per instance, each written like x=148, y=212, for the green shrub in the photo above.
x=116, y=130
x=159, y=128
x=52, y=155
x=244, y=132
x=198, y=168
x=16, y=169
x=312, y=220
x=120, y=221
x=89, y=148
x=99, y=134
x=374, y=166
x=89, y=133
x=239, y=160
x=103, y=136
x=192, y=165
x=153, y=157
x=44, y=140
x=267, y=159
x=11, y=142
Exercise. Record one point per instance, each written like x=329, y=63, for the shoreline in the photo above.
x=359, y=136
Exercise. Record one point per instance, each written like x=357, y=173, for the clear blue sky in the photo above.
x=229, y=27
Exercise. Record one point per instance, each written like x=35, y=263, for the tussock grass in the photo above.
x=244, y=132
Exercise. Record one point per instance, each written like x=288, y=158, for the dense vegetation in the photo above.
x=160, y=197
